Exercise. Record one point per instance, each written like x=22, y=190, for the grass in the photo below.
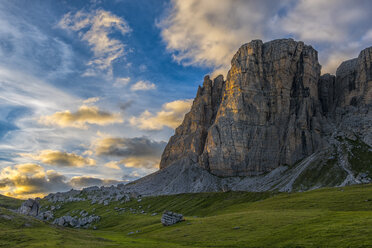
x=360, y=156
x=23, y=231
x=320, y=173
x=9, y=202
x=330, y=217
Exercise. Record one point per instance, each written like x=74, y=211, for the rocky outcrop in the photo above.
x=30, y=207
x=69, y=221
x=266, y=115
x=47, y=215
x=169, y=218
x=273, y=110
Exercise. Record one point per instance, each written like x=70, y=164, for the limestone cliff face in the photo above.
x=273, y=109
x=269, y=115
x=354, y=81
x=189, y=138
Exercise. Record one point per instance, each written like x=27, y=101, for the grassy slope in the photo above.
x=332, y=217
x=23, y=231
x=9, y=202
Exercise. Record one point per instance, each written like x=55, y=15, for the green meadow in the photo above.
x=329, y=217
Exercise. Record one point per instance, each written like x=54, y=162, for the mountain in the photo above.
x=275, y=123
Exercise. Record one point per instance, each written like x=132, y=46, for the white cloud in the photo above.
x=368, y=36
x=143, y=85
x=171, y=115
x=120, y=82
x=91, y=100
x=201, y=32
x=95, y=28
x=319, y=20
x=208, y=34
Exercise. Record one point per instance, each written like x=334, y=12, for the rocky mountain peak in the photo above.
x=271, y=111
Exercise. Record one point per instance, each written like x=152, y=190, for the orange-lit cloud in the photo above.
x=53, y=157
x=30, y=180
x=83, y=116
x=112, y=165
x=171, y=115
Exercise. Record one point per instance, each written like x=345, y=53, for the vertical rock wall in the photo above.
x=272, y=110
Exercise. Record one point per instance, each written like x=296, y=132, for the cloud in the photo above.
x=91, y=100
x=143, y=85
x=30, y=180
x=84, y=115
x=96, y=28
x=53, y=157
x=208, y=34
x=318, y=20
x=171, y=115
x=135, y=152
x=124, y=106
x=112, y=165
x=132, y=176
x=201, y=32
x=83, y=182
x=120, y=82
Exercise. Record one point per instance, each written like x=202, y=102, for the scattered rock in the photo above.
x=169, y=218
x=47, y=215
x=29, y=207
x=7, y=217
x=69, y=221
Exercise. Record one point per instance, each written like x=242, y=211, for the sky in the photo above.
x=91, y=91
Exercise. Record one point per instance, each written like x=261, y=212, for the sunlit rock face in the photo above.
x=273, y=109
x=189, y=139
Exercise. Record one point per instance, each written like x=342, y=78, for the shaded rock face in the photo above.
x=354, y=81
x=30, y=207
x=273, y=110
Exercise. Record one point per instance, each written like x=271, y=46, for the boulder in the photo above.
x=169, y=218
x=30, y=207
x=69, y=221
